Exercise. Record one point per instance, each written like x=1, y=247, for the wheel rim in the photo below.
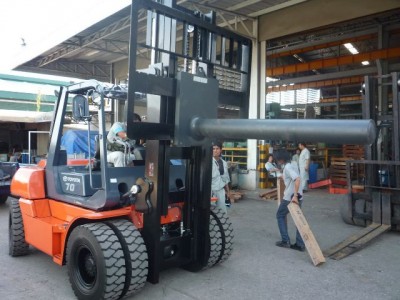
x=86, y=270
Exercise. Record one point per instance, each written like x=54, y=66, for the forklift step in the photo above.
x=356, y=242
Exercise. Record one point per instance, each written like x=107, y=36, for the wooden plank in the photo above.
x=305, y=231
x=268, y=192
x=351, y=239
x=361, y=243
x=270, y=197
x=358, y=187
x=336, y=190
x=319, y=184
x=339, y=171
x=280, y=189
x=338, y=181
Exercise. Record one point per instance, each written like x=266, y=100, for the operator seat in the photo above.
x=96, y=162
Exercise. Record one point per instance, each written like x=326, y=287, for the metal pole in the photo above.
x=29, y=143
x=329, y=131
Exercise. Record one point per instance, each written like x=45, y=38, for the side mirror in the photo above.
x=80, y=108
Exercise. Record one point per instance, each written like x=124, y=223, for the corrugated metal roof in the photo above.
x=89, y=53
x=25, y=116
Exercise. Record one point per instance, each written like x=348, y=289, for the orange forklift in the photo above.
x=117, y=227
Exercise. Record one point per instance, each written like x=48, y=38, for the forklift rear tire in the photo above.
x=3, y=199
x=359, y=208
x=96, y=263
x=16, y=233
x=396, y=217
x=135, y=253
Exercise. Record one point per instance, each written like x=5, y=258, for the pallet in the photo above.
x=319, y=184
x=236, y=196
x=310, y=242
x=354, y=151
x=337, y=170
x=338, y=175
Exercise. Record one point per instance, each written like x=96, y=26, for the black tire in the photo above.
x=227, y=233
x=396, y=216
x=368, y=211
x=16, y=233
x=359, y=208
x=135, y=253
x=3, y=199
x=221, y=237
x=215, y=241
x=96, y=263
x=345, y=213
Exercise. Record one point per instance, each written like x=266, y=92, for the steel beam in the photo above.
x=85, y=70
x=350, y=99
x=334, y=62
x=87, y=41
x=316, y=84
x=327, y=76
x=316, y=46
x=323, y=104
x=276, y=7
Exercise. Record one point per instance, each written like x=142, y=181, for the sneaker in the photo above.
x=297, y=247
x=283, y=244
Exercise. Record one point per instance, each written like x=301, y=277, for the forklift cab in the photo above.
x=94, y=183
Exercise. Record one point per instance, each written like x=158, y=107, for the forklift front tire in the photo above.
x=136, y=258
x=96, y=263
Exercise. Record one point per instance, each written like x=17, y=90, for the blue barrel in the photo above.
x=312, y=172
x=25, y=158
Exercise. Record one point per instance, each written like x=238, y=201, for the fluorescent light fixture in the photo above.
x=365, y=63
x=269, y=79
x=298, y=57
x=351, y=48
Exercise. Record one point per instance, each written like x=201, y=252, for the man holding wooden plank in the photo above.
x=293, y=193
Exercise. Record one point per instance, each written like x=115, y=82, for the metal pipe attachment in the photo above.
x=361, y=132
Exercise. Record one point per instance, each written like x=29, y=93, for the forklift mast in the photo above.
x=181, y=83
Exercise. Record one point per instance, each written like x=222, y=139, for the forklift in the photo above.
x=373, y=198
x=117, y=227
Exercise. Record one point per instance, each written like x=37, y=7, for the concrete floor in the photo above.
x=257, y=268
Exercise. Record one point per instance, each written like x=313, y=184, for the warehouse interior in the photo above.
x=301, y=50
x=309, y=60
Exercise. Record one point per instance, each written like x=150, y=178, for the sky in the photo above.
x=30, y=27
